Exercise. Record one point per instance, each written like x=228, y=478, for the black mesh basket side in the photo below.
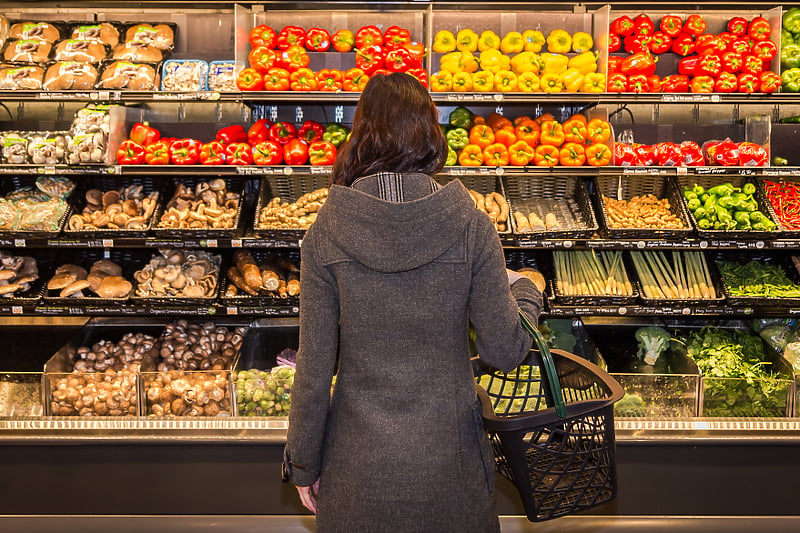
x=712, y=270
x=482, y=184
x=289, y=189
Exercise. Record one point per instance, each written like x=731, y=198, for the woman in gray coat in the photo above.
x=394, y=270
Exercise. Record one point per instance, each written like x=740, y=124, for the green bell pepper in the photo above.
x=791, y=20
x=457, y=138
x=452, y=157
x=786, y=38
x=335, y=134
x=790, y=56
x=461, y=117
x=790, y=80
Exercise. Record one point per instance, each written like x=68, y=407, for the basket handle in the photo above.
x=548, y=366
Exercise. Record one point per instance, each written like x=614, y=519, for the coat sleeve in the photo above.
x=316, y=360
x=494, y=307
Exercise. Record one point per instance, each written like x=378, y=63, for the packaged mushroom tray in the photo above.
x=87, y=276
x=488, y=197
x=107, y=209
x=33, y=207
x=288, y=205
x=178, y=276
x=266, y=277
x=200, y=208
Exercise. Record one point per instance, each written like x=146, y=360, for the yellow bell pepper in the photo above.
x=585, y=62
x=525, y=62
x=553, y=63
x=572, y=80
x=456, y=62
x=533, y=40
x=559, y=42
x=505, y=81
x=582, y=42
x=467, y=40
x=442, y=81
x=594, y=82
x=444, y=42
x=488, y=40
x=551, y=83
x=512, y=43
x=483, y=81
x=494, y=61
x=462, y=82
x=528, y=82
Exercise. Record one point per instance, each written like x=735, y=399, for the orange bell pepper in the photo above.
x=552, y=133
x=519, y=119
x=481, y=135
x=497, y=121
x=577, y=116
x=574, y=131
x=478, y=120
x=355, y=80
x=495, y=155
x=598, y=131
x=528, y=131
x=545, y=155
x=505, y=136
x=572, y=155
x=471, y=156
x=598, y=155
x=544, y=117
x=520, y=154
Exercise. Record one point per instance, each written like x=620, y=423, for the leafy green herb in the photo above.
x=757, y=279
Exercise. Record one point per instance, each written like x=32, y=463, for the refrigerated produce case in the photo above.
x=672, y=461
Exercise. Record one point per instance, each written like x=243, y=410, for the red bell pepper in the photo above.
x=654, y=84
x=355, y=80
x=130, y=153
x=701, y=84
x=748, y=82
x=688, y=65
x=295, y=152
x=752, y=154
x=712, y=45
x=669, y=154
x=395, y=37
x=250, y=80
x=726, y=82
x=636, y=43
x=185, y=152
x=369, y=59
x=769, y=81
x=675, y=83
x=637, y=83
x=759, y=29
x=695, y=25
x=329, y=80
x=765, y=50
x=660, y=43
x=708, y=65
x=276, y=79
x=683, y=44
x=369, y=36
x=318, y=40
x=282, y=132
x=638, y=63
x=262, y=59
x=614, y=64
x=232, y=134
x=732, y=62
x=724, y=153
x=239, y=154
x=643, y=25
x=142, y=133
x=294, y=58
x=671, y=25
x=343, y=40
x=617, y=83
x=290, y=36
x=743, y=45
x=267, y=153
x=614, y=42
x=258, y=132
x=399, y=60
x=421, y=74
x=624, y=155
x=263, y=35
x=311, y=131
x=417, y=50
x=157, y=153
x=727, y=37
x=737, y=26
x=622, y=26
x=212, y=153
x=303, y=79
x=752, y=65
x=692, y=154
x=321, y=153
x=646, y=155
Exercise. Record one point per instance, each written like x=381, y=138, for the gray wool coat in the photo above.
x=391, y=287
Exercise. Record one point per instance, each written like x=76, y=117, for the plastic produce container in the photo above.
x=21, y=394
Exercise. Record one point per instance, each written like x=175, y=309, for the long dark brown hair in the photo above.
x=395, y=129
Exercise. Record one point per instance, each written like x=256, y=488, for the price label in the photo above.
x=232, y=310
x=210, y=243
x=16, y=309
x=236, y=243
x=108, y=243
x=20, y=243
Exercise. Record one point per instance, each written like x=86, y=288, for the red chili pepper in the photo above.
x=737, y=26
x=675, y=83
x=614, y=42
x=395, y=37
x=695, y=25
x=748, y=82
x=239, y=154
x=290, y=36
x=708, y=65
x=157, y=153
x=692, y=154
x=295, y=152
x=321, y=153
x=142, y=133
x=759, y=29
x=752, y=154
x=785, y=200
x=732, y=61
x=617, y=83
x=368, y=36
x=683, y=44
x=770, y=82
x=232, y=134
x=343, y=40
x=671, y=25
x=726, y=83
x=130, y=153
x=185, y=152
x=282, y=132
x=660, y=43
x=262, y=58
x=311, y=131
x=702, y=84
x=263, y=35
x=258, y=132
x=318, y=40
x=622, y=26
x=250, y=80
x=752, y=65
x=212, y=153
x=765, y=50
x=643, y=25
x=267, y=153
x=369, y=58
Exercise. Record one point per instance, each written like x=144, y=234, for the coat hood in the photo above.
x=396, y=236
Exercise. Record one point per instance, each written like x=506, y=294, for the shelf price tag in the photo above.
x=16, y=309
x=108, y=243
x=20, y=243
x=232, y=310
x=236, y=243
x=209, y=243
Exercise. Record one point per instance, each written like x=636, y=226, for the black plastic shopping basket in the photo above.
x=551, y=425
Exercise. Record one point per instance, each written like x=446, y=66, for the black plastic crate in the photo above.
x=559, y=298
x=786, y=232
x=10, y=184
x=168, y=301
x=484, y=185
x=44, y=260
x=288, y=189
x=712, y=270
x=777, y=258
x=260, y=300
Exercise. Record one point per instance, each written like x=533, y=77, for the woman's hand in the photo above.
x=308, y=495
